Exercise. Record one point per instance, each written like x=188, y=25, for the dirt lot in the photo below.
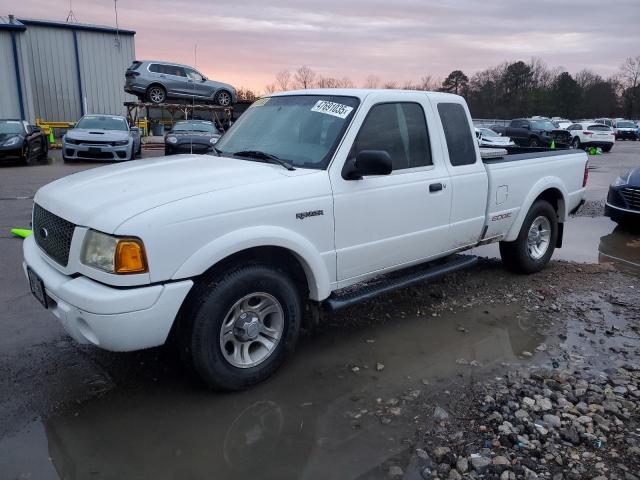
x=484, y=374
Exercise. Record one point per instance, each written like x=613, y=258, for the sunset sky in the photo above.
x=246, y=42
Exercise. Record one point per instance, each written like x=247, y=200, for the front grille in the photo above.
x=53, y=234
x=98, y=155
x=632, y=197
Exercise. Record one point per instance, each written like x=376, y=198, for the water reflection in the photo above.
x=621, y=248
x=315, y=419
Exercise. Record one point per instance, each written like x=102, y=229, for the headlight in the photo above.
x=70, y=141
x=121, y=143
x=172, y=140
x=621, y=180
x=113, y=254
x=214, y=140
x=12, y=141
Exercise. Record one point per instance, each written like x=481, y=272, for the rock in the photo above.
x=462, y=465
x=526, y=354
x=570, y=435
x=395, y=471
x=529, y=402
x=584, y=420
x=440, y=413
x=480, y=464
x=501, y=461
x=454, y=475
x=379, y=367
x=544, y=404
x=530, y=474
x=508, y=475
x=552, y=421
x=443, y=454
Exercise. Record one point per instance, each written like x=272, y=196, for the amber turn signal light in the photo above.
x=130, y=257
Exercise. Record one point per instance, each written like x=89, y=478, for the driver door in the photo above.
x=384, y=222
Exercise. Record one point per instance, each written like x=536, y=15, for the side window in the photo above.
x=192, y=74
x=457, y=132
x=401, y=130
x=155, y=68
x=173, y=70
x=516, y=124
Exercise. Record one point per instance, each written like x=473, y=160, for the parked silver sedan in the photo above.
x=101, y=137
x=157, y=81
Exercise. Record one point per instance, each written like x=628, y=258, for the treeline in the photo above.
x=505, y=91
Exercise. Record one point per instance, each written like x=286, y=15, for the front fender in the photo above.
x=543, y=184
x=261, y=236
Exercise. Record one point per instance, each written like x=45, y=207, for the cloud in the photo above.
x=246, y=42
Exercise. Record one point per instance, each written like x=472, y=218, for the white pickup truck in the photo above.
x=310, y=192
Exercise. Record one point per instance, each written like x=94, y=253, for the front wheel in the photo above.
x=238, y=328
x=534, y=142
x=532, y=250
x=156, y=94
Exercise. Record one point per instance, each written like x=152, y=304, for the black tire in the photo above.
x=516, y=256
x=26, y=154
x=223, y=98
x=575, y=143
x=156, y=94
x=534, y=142
x=44, y=151
x=607, y=149
x=205, y=310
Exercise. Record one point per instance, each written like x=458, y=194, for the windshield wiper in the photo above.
x=263, y=156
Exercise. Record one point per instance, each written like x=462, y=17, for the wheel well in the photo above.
x=156, y=85
x=554, y=197
x=276, y=256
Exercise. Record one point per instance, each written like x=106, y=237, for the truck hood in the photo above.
x=97, y=134
x=105, y=197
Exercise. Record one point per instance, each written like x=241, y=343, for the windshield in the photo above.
x=487, y=132
x=11, y=126
x=193, y=127
x=542, y=125
x=302, y=130
x=102, y=122
x=625, y=125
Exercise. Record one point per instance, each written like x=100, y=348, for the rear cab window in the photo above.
x=457, y=133
x=400, y=129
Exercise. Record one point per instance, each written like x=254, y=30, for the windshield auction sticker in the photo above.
x=331, y=108
x=260, y=102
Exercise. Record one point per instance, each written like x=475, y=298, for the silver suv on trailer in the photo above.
x=157, y=81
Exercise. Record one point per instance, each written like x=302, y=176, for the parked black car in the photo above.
x=625, y=130
x=534, y=132
x=623, y=200
x=191, y=136
x=21, y=141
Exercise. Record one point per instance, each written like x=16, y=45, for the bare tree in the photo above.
x=305, y=77
x=630, y=72
x=391, y=84
x=345, y=82
x=269, y=89
x=326, y=82
x=283, y=79
x=246, y=94
x=371, y=82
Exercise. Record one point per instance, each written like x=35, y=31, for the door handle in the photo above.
x=435, y=187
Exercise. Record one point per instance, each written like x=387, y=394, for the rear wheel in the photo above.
x=575, y=143
x=156, y=94
x=239, y=327
x=223, y=98
x=607, y=148
x=534, y=142
x=532, y=250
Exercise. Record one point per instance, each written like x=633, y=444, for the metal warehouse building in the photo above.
x=57, y=71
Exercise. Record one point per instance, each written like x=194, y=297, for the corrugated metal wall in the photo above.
x=102, y=67
x=9, y=104
x=55, y=83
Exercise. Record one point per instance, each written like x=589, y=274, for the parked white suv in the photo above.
x=312, y=192
x=592, y=134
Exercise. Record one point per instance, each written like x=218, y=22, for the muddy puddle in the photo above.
x=301, y=424
x=592, y=240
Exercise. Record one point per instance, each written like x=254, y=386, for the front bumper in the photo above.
x=97, y=152
x=116, y=319
x=627, y=135
x=12, y=152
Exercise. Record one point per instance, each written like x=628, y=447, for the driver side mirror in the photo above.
x=35, y=129
x=367, y=162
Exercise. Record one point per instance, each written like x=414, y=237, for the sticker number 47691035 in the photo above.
x=332, y=108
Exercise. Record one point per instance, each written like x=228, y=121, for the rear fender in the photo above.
x=538, y=188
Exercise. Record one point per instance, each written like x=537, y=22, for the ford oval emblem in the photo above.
x=44, y=233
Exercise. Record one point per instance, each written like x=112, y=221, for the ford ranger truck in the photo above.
x=308, y=193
